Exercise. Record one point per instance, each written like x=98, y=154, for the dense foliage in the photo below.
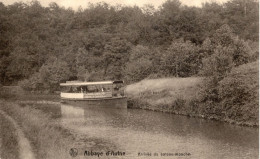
x=239, y=93
x=42, y=46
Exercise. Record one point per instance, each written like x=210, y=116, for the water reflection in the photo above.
x=135, y=131
x=101, y=116
x=68, y=111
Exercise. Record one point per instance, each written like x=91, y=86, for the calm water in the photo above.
x=139, y=131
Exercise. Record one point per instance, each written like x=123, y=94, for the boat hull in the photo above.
x=116, y=102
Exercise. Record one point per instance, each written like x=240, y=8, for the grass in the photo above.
x=27, y=96
x=47, y=136
x=47, y=139
x=8, y=140
x=237, y=96
x=38, y=97
x=164, y=91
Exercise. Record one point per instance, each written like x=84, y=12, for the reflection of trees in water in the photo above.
x=170, y=124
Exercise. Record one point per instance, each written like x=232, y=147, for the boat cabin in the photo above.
x=92, y=90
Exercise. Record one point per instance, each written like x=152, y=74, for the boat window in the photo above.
x=106, y=88
x=92, y=88
x=87, y=89
x=71, y=89
x=84, y=89
x=118, y=89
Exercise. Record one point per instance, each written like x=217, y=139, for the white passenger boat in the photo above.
x=96, y=94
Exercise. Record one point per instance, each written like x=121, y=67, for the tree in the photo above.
x=223, y=36
x=83, y=74
x=27, y=57
x=54, y=72
x=140, y=64
x=242, y=16
x=138, y=69
x=209, y=19
x=33, y=83
x=241, y=51
x=140, y=51
x=219, y=63
x=115, y=56
x=6, y=29
x=103, y=41
x=180, y=59
x=188, y=25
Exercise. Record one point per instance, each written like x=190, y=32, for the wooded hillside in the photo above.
x=43, y=46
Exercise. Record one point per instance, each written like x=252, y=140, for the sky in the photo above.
x=84, y=3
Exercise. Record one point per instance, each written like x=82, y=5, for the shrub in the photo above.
x=138, y=70
x=238, y=93
x=219, y=63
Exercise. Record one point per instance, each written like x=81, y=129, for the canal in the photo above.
x=148, y=134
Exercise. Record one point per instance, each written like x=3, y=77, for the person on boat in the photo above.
x=81, y=89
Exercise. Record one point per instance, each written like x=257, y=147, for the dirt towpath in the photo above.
x=25, y=150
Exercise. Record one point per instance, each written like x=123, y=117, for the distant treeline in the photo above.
x=43, y=46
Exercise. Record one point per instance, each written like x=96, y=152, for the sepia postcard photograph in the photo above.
x=129, y=79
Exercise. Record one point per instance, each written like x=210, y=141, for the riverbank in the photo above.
x=171, y=95
x=22, y=143
x=9, y=148
x=42, y=123
x=47, y=139
x=238, y=104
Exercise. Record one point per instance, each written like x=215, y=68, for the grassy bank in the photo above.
x=8, y=140
x=29, y=96
x=174, y=95
x=47, y=139
x=237, y=96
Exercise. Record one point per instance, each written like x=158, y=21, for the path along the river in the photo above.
x=25, y=150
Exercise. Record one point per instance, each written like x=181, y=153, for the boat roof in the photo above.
x=69, y=83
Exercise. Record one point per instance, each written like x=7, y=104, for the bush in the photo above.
x=238, y=93
x=219, y=63
x=138, y=70
x=181, y=59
